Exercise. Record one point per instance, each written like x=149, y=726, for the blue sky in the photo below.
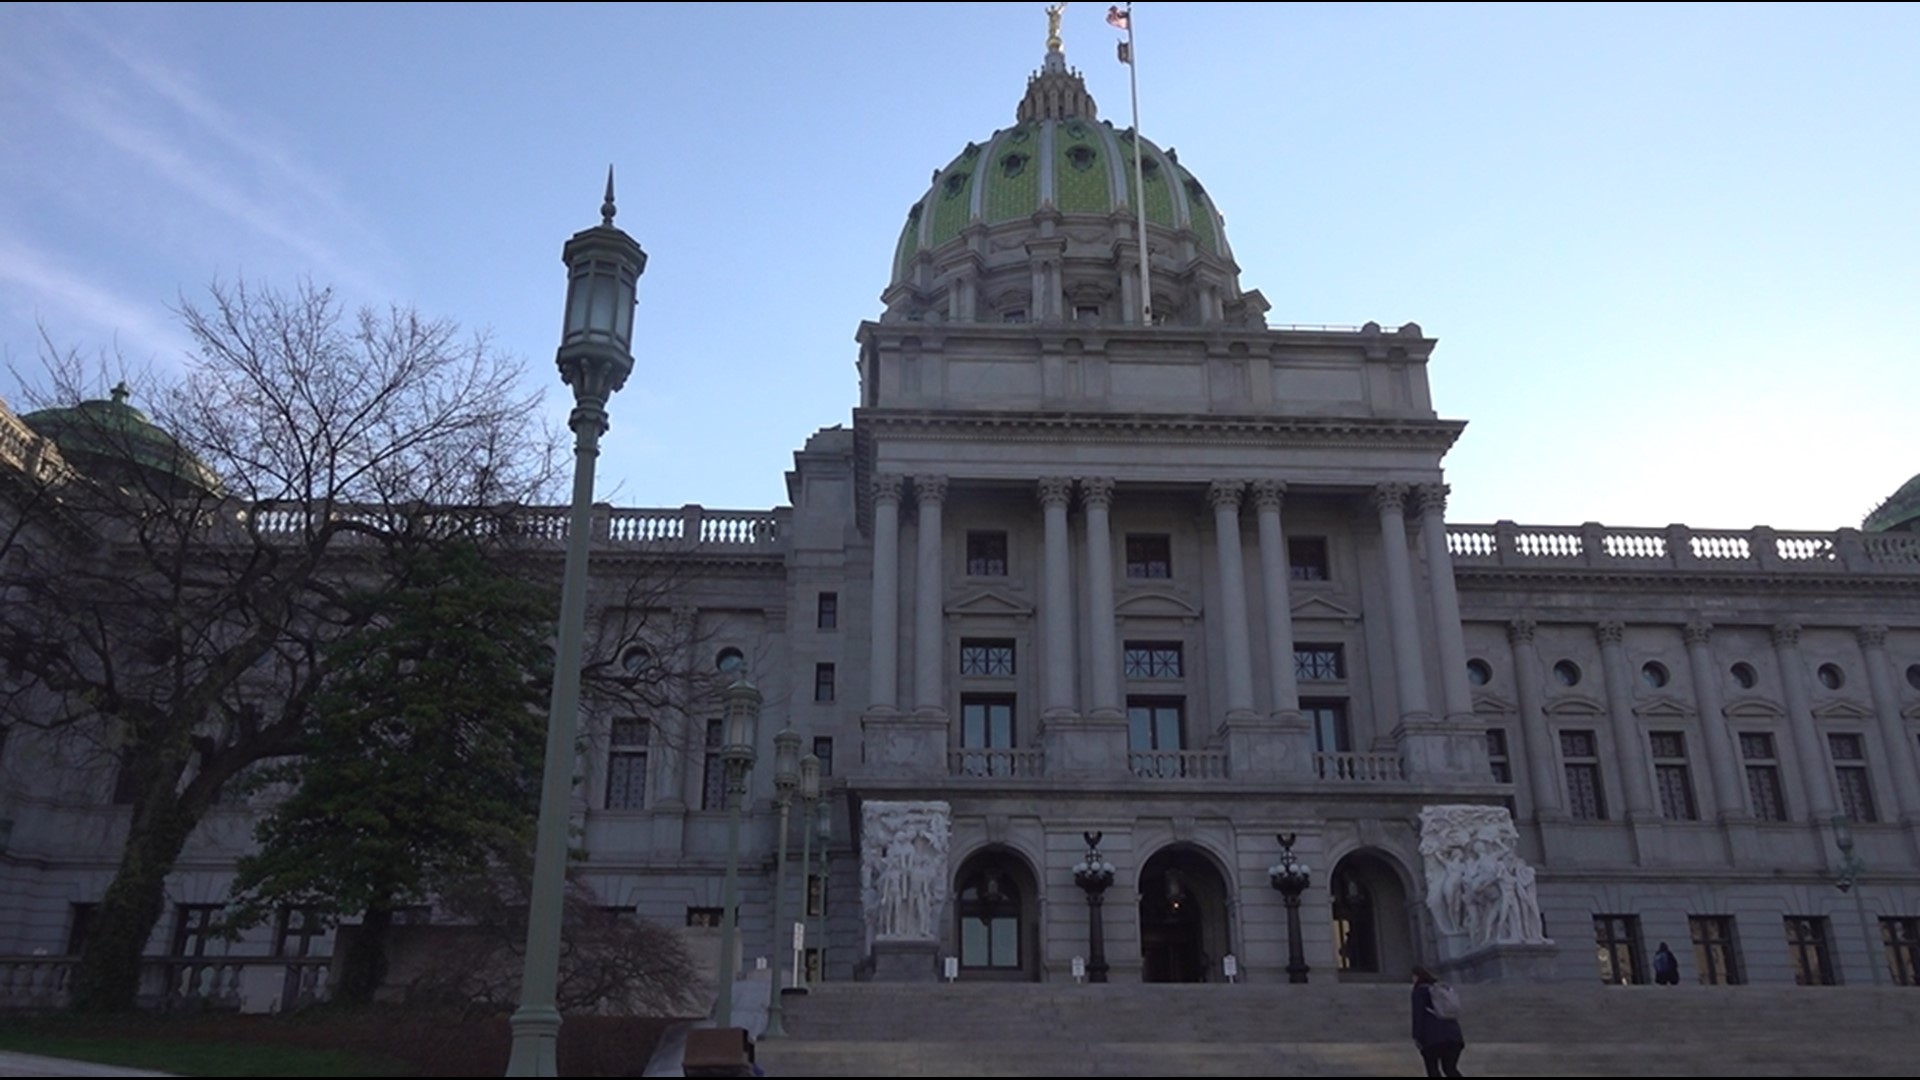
x=1669, y=251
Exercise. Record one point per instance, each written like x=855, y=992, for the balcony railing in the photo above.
x=218, y=982
x=1363, y=767
x=1680, y=548
x=997, y=763
x=1178, y=764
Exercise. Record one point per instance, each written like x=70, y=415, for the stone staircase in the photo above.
x=1060, y=1029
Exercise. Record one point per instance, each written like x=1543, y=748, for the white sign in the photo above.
x=953, y=968
x=1079, y=968
x=799, y=936
x=1231, y=965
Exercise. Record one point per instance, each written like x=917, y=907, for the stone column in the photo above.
x=1057, y=690
x=1893, y=727
x=1533, y=741
x=1816, y=784
x=885, y=676
x=1630, y=752
x=1096, y=496
x=1409, y=676
x=1449, y=638
x=929, y=623
x=1723, y=757
x=1276, y=576
x=1225, y=497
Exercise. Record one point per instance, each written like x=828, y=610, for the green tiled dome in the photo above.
x=112, y=438
x=1058, y=156
x=1901, y=511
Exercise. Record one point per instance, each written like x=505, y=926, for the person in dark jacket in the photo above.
x=1438, y=1037
x=1666, y=967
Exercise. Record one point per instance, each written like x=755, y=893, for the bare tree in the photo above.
x=171, y=589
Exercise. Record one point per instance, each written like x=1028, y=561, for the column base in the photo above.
x=1276, y=747
x=1086, y=746
x=897, y=745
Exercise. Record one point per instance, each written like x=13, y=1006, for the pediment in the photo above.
x=1574, y=705
x=1842, y=710
x=989, y=603
x=1664, y=707
x=1493, y=703
x=1754, y=709
x=1156, y=604
x=1319, y=607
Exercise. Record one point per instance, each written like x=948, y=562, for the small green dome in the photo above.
x=112, y=439
x=1900, y=513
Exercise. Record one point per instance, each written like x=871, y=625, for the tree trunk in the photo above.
x=363, y=967
x=109, y=976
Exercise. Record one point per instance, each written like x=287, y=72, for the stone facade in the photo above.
x=1191, y=586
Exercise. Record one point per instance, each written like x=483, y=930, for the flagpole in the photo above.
x=1139, y=173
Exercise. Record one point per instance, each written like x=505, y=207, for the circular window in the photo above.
x=1479, y=674
x=729, y=661
x=1744, y=676
x=1913, y=676
x=1566, y=673
x=1830, y=676
x=1654, y=674
x=635, y=659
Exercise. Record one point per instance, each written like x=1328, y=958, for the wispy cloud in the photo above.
x=61, y=299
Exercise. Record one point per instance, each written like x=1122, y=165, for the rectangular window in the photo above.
x=1307, y=558
x=1152, y=660
x=1499, y=761
x=80, y=920
x=991, y=659
x=1580, y=757
x=627, y=764
x=1763, y=776
x=1149, y=556
x=827, y=615
x=298, y=931
x=823, y=682
x=1329, y=720
x=823, y=749
x=1086, y=313
x=1807, y=950
x=1616, y=940
x=986, y=722
x=1902, y=939
x=1155, y=724
x=986, y=554
x=704, y=916
x=1850, y=776
x=193, y=928
x=1319, y=663
x=1714, y=952
x=816, y=894
x=1670, y=775
x=713, y=785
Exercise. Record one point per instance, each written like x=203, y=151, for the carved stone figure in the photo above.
x=903, y=869
x=1478, y=886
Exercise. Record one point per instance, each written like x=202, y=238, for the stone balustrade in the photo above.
x=999, y=763
x=1359, y=766
x=216, y=982
x=1178, y=764
x=1680, y=548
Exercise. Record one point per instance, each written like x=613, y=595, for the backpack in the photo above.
x=1444, y=1001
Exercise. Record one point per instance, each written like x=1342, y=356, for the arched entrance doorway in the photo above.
x=1372, y=926
x=997, y=917
x=1183, y=917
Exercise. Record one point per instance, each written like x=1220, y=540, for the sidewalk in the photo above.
x=12, y=1064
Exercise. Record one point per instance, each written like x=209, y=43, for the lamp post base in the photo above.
x=536, y=1035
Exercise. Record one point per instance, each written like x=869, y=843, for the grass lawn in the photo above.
x=143, y=1045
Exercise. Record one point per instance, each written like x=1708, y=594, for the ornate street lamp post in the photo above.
x=1093, y=873
x=786, y=777
x=743, y=717
x=595, y=357
x=823, y=831
x=1848, y=877
x=809, y=798
x=1292, y=877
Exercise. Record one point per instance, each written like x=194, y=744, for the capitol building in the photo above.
x=1183, y=589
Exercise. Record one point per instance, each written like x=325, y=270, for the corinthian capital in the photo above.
x=1698, y=631
x=1786, y=635
x=1055, y=490
x=1390, y=496
x=1433, y=498
x=886, y=487
x=1225, y=494
x=1610, y=632
x=1872, y=636
x=1520, y=631
x=1096, y=491
x=1269, y=494
x=930, y=489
